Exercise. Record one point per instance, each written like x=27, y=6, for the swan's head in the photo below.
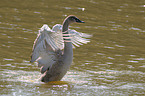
x=73, y=19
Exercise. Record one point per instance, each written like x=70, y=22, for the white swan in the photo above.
x=53, y=49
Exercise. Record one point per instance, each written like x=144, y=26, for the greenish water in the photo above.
x=113, y=63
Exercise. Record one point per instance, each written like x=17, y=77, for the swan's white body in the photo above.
x=53, y=51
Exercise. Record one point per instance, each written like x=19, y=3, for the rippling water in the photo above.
x=113, y=63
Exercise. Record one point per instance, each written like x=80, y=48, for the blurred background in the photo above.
x=113, y=63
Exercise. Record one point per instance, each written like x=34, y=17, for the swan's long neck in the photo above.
x=68, y=50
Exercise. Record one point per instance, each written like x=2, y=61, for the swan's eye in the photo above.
x=79, y=21
x=73, y=19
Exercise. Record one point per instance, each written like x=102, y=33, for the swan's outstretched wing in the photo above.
x=77, y=38
x=47, y=47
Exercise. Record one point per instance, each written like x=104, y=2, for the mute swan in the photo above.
x=53, y=49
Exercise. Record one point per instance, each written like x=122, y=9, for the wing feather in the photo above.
x=79, y=38
x=45, y=48
x=49, y=43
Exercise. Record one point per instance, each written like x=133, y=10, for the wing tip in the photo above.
x=45, y=27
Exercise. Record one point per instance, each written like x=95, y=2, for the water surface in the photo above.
x=113, y=63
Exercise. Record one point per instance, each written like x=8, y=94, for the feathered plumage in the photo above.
x=49, y=45
x=49, y=41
